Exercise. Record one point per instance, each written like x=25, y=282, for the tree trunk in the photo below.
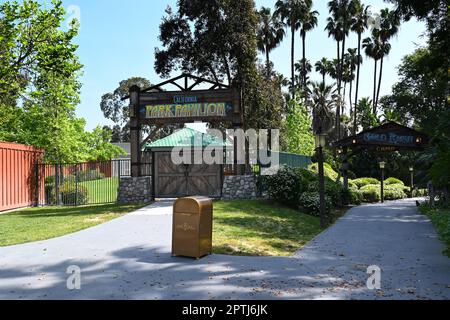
x=304, y=60
x=350, y=97
x=323, y=79
x=292, y=58
x=343, y=97
x=374, y=109
x=357, y=86
x=337, y=120
x=267, y=63
x=379, y=83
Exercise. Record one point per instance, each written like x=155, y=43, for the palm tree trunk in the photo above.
x=350, y=96
x=292, y=58
x=267, y=63
x=304, y=60
x=323, y=78
x=357, y=85
x=341, y=69
x=374, y=109
x=379, y=82
x=343, y=97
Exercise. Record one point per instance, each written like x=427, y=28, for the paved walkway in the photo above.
x=129, y=258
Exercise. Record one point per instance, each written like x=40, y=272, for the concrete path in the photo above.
x=129, y=258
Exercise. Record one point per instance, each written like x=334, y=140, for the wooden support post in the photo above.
x=135, y=132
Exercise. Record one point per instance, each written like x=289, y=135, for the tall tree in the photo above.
x=390, y=22
x=358, y=25
x=308, y=23
x=372, y=48
x=323, y=67
x=270, y=33
x=323, y=101
x=290, y=11
x=299, y=136
x=351, y=62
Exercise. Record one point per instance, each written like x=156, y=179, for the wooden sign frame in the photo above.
x=155, y=106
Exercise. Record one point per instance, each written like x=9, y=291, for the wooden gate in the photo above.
x=173, y=181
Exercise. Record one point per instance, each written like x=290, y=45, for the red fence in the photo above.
x=17, y=175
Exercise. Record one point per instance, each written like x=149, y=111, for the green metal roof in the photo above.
x=188, y=138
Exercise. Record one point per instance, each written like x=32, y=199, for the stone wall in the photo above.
x=134, y=190
x=239, y=187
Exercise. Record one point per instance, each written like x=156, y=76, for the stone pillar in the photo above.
x=134, y=190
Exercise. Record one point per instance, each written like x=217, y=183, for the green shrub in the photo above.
x=361, y=182
x=370, y=186
x=351, y=196
x=285, y=186
x=333, y=190
x=352, y=185
x=50, y=180
x=394, y=194
x=89, y=175
x=370, y=195
x=390, y=181
x=420, y=192
x=309, y=202
x=328, y=170
x=73, y=195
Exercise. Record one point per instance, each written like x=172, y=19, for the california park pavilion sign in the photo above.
x=187, y=107
x=156, y=107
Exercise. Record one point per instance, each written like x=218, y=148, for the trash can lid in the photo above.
x=194, y=204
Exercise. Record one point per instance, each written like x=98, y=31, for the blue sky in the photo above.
x=117, y=41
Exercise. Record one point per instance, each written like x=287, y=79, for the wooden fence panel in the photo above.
x=18, y=175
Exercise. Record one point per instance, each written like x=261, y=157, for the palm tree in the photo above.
x=358, y=25
x=270, y=33
x=389, y=27
x=323, y=67
x=303, y=67
x=322, y=98
x=309, y=22
x=372, y=48
x=352, y=60
x=290, y=12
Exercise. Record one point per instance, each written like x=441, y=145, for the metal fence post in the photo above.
x=76, y=184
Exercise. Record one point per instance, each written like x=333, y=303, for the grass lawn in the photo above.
x=101, y=191
x=33, y=224
x=259, y=228
x=441, y=221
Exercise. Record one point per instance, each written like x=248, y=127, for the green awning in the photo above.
x=188, y=138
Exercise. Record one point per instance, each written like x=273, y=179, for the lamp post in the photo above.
x=411, y=171
x=320, y=143
x=382, y=166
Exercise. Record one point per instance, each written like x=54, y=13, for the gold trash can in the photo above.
x=192, y=227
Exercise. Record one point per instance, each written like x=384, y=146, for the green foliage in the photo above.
x=287, y=185
x=371, y=195
x=89, y=175
x=394, y=194
x=299, y=136
x=74, y=195
x=441, y=220
x=39, y=84
x=370, y=186
x=361, y=182
x=327, y=170
x=351, y=196
x=390, y=181
x=309, y=202
x=334, y=191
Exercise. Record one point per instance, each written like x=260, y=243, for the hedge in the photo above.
x=390, y=181
x=361, y=182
